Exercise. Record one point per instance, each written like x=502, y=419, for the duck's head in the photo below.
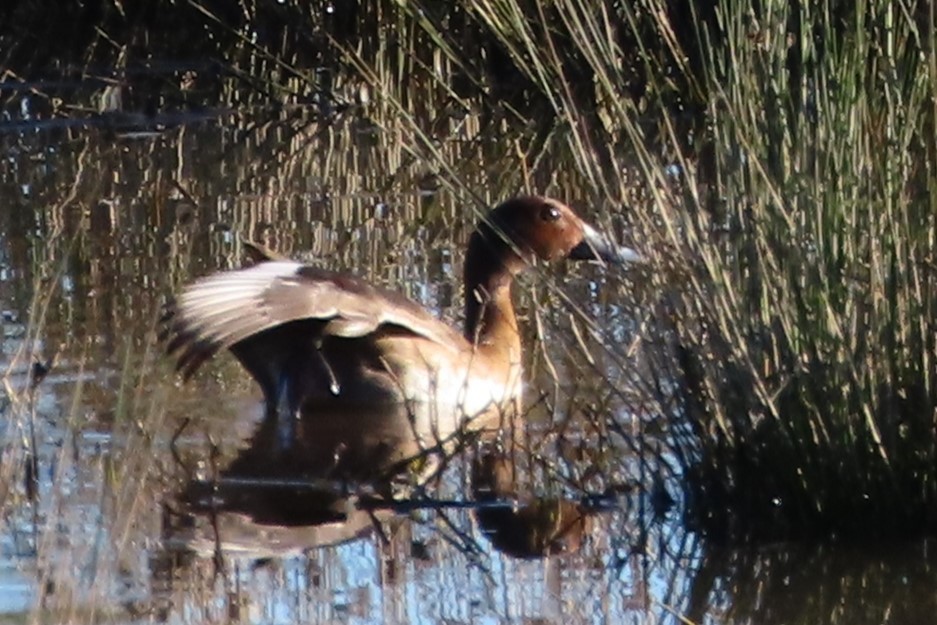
x=531, y=226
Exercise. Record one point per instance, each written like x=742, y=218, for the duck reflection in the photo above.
x=337, y=463
x=350, y=474
x=532, y=527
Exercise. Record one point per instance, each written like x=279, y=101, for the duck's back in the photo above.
x=315, y=337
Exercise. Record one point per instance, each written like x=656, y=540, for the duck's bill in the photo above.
x=597, y=246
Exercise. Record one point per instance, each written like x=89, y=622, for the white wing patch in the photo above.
x=223, y=307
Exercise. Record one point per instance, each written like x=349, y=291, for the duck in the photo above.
x=316, y=340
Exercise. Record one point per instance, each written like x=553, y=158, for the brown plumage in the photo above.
x=312, y=337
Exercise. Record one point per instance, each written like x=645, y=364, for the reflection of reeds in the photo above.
x=367, y=190
x=781, y=170
x=782, y=176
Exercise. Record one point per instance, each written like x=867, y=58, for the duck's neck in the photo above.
x=490, y=323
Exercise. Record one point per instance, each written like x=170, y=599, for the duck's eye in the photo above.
x=549, y=213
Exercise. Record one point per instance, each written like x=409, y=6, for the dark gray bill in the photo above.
x=596, y=246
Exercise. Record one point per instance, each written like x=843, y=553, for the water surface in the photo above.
x=130, y=497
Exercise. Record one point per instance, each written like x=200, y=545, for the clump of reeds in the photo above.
x=787, y=173
x=787, y=157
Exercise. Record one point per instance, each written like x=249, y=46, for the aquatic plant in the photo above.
x=779, y=164
x=787, y=158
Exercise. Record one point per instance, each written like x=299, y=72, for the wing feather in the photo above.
x=219, y=311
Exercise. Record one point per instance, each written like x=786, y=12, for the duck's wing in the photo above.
x=219, y=311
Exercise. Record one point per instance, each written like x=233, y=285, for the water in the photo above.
x=129, y=497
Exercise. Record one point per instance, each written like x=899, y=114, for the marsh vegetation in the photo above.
x=768, y=375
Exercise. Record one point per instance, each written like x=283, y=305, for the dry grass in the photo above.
x=780, y=171
x=788, y=167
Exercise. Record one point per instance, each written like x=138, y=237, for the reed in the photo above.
x=779, y=165
x=787, y=162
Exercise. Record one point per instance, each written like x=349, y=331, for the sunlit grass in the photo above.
x=779, y=173
x=787, y=161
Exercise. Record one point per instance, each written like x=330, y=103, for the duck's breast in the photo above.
x=446, y=386
x=461, y=385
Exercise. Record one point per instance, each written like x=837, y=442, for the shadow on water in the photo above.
x=127, y=496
